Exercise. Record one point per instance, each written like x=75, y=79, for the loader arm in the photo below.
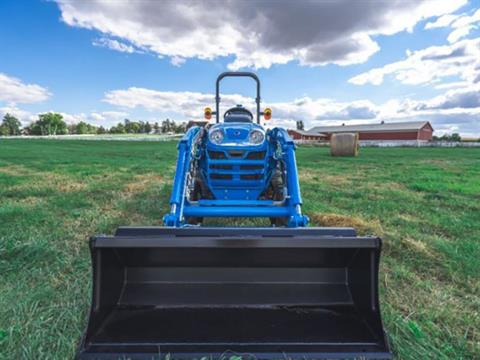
x=186, y=149
x=286, y=153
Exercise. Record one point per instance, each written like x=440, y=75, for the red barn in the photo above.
x=413, y=130
x=305, y=135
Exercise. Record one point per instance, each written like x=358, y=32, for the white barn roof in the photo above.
x=388, y=127
x=306, y=133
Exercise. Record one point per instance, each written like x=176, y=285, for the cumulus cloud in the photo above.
x=319, y=32
x=116, y=45
x=25, y=117
x=103, y=118
x=461, y=25
x=456, y=109
x=191, y=104
x=13, y=90
x=430, y=65
x=186, y=103
x=466, y=98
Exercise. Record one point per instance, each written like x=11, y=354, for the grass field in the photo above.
x=425, y=203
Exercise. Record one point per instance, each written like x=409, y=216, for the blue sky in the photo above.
x=321, y=62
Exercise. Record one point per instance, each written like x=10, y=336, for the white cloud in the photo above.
x=442, y=21
x=188, y=104
x=462, y=25
x=103, y=118
x=177, y=61
x=430, y=65
x=25, y=117
x=465, y=98
x=459, y=108
x=319, y=32
x=116, y=45
x=191, y=104
x=13, y=91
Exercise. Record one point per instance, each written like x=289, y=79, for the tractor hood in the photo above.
x=236, y=134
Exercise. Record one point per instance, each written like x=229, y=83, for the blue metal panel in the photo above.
x=229, y=211
x=204, y=202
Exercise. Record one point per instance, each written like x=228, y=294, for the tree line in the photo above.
x=53, y=124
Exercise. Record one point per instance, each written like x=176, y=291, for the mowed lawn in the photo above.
x=425, y=203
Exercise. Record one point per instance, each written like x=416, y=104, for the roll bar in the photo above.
x=236, y=74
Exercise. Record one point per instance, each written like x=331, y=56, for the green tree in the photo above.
x=10, y=125
x=455, y=137
x=4, y=130
x=180, y=128
x=148, y=128
x=119, y=129
x=156, y=128
x=49, y=124
x=131, y=127
x=300, y=125
x=141, y=127
x=81, y=128
x=85, y=128
x=101, y=130
x=168, y=126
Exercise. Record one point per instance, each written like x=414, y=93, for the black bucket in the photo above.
x=269, y=293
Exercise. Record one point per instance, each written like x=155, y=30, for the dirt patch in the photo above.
x=56, y=181
x=142, y=182
x=315, y=176
x=387, y=185
x=408, y=218
x=336, y=220
x=63, y=183
x=419, y=246
x=17, y=170
x=31, y=200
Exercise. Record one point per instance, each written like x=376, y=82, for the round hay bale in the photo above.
x=344, y=144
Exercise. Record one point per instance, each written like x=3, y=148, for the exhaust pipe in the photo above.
x=273, y=292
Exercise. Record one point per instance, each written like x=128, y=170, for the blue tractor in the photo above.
x=236, y=168
x=185, y=291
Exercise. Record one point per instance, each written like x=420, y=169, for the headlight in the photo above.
x=256, y=137
x=216, y=136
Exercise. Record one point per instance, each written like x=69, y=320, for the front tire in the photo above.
x=277, y=185
x=196, y=195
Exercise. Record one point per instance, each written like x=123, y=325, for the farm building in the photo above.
x=305, y=135
x=413, y=130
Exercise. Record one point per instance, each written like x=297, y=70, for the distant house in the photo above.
x=412, y=130
x=305, y=135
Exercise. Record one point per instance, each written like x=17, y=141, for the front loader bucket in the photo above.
x=269, y=293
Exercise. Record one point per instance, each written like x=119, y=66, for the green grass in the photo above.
x=425, y=203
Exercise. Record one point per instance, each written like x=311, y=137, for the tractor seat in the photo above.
x=238, y=114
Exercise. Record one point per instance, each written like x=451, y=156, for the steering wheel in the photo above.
x=238, y=110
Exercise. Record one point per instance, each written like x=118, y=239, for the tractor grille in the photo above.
x=221, y=167
x=215, y=176
x=251, y=177
x=256, y=155
x=236, y=173
x=236, y=154
x=251, y=167
x=216, y=155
